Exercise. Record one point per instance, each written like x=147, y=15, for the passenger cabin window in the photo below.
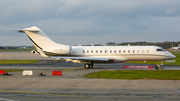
x=96, y=51
x=119, y=51
x=160, y=50
x=124, y=51
x=100, y=51
x=91, y=51
x=142, y=51
x=114, y=51
x=137, y=51
x=128, y=51
x=133, y=51
x=83, y=51
x=87, y=51
x=110, y=51
x=147, y=51
x=105, y=51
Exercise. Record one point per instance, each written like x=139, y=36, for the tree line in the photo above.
x=164, y=45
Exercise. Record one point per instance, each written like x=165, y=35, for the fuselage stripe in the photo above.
x=34, y=42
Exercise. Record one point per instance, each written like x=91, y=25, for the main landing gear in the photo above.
x=88, y=65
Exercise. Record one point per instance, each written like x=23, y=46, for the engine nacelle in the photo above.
x=35, y=52
x=64, y=49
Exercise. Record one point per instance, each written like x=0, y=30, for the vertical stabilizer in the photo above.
x=38, y=38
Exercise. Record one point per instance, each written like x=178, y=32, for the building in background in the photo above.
x=175, y=48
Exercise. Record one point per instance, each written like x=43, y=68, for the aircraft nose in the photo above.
x=172, y=56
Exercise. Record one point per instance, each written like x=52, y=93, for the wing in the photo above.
x=92, y=59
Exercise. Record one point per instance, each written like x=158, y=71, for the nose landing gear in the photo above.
x=160, y=66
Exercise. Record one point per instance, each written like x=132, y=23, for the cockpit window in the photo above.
x=160, y=50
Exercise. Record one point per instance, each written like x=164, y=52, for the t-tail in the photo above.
x=43, y=44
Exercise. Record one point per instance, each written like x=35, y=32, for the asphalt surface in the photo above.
x=71, y=86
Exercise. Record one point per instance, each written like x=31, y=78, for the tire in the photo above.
x=86, y=66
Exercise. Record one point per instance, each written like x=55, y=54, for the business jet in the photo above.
x=89, y=55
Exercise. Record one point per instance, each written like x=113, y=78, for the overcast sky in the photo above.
x=91, y=21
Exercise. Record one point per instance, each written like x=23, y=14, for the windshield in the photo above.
x=160, y=50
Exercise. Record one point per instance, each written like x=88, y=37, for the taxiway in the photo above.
x=72, y=86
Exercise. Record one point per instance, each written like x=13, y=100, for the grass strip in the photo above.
x=137, y=74
x=18, y=61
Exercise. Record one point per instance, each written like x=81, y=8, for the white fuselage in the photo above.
x=130, y=52
x=121, y=53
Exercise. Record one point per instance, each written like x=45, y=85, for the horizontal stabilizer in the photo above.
x=22, y=30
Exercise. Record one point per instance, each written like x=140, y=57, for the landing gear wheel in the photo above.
x=160, y=67
x=86, y=66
